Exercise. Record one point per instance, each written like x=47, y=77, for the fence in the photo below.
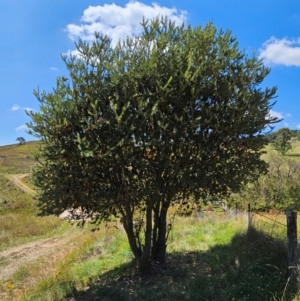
x=283, y=226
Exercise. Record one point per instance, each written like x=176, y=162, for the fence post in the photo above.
x=291, y=218
x=249, y=217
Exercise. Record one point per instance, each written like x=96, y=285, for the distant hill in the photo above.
x=15, y=159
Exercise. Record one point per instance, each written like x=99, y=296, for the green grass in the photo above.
x=294, y=153
x=213, y=258
x=208, y=259
x=17, y=159
x=13, y=199
x=19, y=222
x=28, y=181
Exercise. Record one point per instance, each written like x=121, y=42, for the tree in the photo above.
x=282, y=140
x=174, y=113
x=21, y=140
x=278, y=189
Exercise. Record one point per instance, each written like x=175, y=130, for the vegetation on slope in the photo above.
x=16, y=158
x=19, y=222
x=213, y=258
x=279, y=189
x=210, y=258
x=18, y=217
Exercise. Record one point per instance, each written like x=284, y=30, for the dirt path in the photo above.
x=36, y=259
x=13, y=259
x=17, y=179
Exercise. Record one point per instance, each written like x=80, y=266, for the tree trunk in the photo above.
x=156, y=210
x=144, y=262
x=160, y=246
x=128, y=226
x=142, y=254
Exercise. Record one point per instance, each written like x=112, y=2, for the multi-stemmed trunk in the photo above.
x=159, y=235
x=154, y=247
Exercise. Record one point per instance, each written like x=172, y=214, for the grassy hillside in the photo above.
x=209, y=258
x=294, y=153
x=17, y=159
x=212, y=258
x=19, y=222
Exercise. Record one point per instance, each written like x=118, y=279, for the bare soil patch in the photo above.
x=13, y=259
x=17, y=179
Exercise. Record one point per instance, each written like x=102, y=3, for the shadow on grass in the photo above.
x=252, y=267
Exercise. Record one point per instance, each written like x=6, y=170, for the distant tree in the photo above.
x=174, y=113
x=21, y=140
x=282, y=142
x=296, y=134
x=270, y=136
x=278, y=189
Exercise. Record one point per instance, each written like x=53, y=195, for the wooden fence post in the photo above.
x=291, y=218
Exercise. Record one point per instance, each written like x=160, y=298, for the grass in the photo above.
x=28, y=181
x=294, y=153
x=54, y=277
x=17, y=159
x=13, y=199
x=17, y=229
x=272, y=224
x=33, y=275
x=18, y=220
x=211, y=258
x=208, y=259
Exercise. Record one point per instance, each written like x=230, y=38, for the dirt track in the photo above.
x=17, y=179
x=36, y=252
x=13, y=259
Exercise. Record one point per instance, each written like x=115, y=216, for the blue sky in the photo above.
x=35, y=33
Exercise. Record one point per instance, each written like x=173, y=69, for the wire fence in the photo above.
x=280, y=226
x=272, y=224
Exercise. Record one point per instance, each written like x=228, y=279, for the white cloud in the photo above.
x=53, y=68
x=118, y=22
x=298, y=126
x=21, y=127
x=15, y=108
x=288, y=115
x=275, y=114
x=281, y=51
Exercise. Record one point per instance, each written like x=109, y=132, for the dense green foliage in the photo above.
x=174, y=113
x=21, y=140
x=278, y=189
x=282, y=139
x=270, y=136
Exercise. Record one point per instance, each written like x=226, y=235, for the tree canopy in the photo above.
x=21, y=140
x=135, y=128
x=282, y=139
